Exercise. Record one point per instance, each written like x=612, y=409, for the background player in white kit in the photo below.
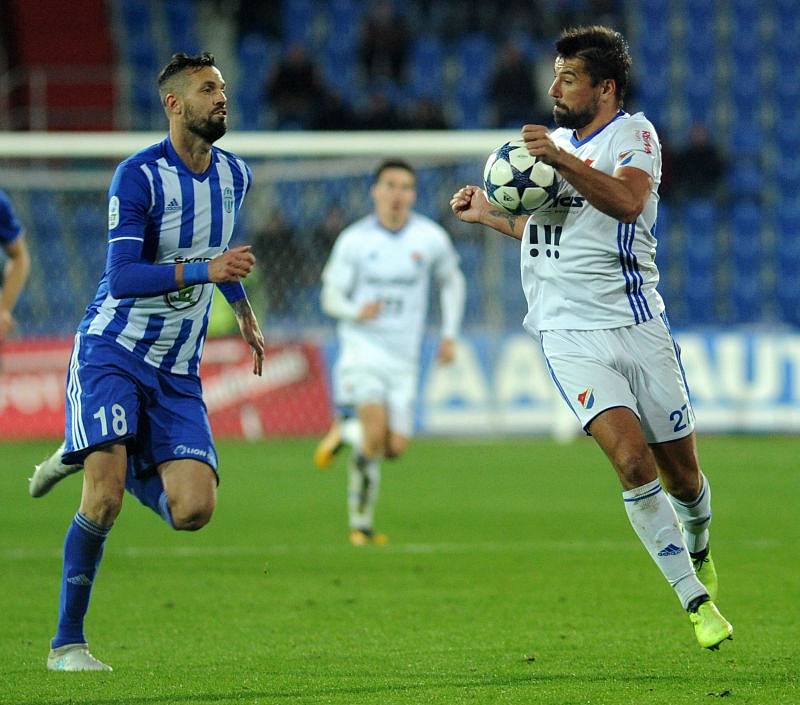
x=376, y=283
x=590, y=278
x=135, y=413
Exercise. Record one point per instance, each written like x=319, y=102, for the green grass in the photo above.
x=512, y=576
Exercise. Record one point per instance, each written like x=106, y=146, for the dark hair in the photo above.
x=604, y=52
x=393, y=164
x=179, y=62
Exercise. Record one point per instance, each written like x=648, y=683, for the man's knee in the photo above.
x=635, y=467
x=396, y=446
x=102, y=505
x=191, y=515
x=374, y=444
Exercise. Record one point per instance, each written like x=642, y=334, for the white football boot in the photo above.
x=74, y=657
x=49, y=472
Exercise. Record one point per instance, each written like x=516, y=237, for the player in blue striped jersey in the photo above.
x=15, y=274
x=135, y=417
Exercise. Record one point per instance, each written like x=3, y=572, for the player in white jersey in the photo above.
x=135, y=414
x=589, y=275
x=376, y=283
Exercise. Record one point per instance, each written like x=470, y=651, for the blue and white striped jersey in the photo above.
x=582, y=269
x=178, y=216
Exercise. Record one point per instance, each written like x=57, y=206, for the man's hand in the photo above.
x=231, y=266
x=7, y=322
x=251, y=332
x=447, y=351
x=469, y=204
x=539, y=143
x=370, y=311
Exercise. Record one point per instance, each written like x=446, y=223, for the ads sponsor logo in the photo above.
x=182, y=450
x=645, y=137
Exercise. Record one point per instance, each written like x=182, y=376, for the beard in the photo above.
x=210, y=129
x=575, y=119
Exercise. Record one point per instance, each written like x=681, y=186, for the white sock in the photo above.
x=695, y=517
x=363, y=483
x=352, y=433
x=656, y=524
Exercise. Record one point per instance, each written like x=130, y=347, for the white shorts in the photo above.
x=394, y=387
x=638, y=367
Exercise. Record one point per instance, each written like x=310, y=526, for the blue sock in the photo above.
x=151, y=493
x=83, y=550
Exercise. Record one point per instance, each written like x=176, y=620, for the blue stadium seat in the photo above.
x=181, y=31
x=254, y=64
x=343, y=23
x=745, y=179
x=298, y=21
x=474, y=54
x=699, y=295
x=746, y=295
x=136, y=18
x=426, y=67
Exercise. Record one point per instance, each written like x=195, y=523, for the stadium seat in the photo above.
x=426, y=67
x=254, y=62
x=699, y=296
x=180, y=25
x=298, y=19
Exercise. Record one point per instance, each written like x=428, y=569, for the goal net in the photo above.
x=306, y=189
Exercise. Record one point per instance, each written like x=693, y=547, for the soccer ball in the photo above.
x=517, y=182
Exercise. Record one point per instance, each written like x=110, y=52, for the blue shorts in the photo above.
x=114, y=396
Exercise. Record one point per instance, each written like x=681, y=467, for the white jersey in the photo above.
x=582, y=269
x=370, y=263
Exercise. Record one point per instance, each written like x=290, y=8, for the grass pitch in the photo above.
x=512, y=576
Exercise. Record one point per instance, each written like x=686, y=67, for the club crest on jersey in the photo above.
x=227, y=199
x=416, y=258
x=625, y=158
x=185, y=298
x=586, y=398
x=113, y=213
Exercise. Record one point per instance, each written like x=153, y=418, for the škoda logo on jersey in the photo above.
x=586, y=398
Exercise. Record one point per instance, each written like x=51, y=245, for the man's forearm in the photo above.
x=15, y=276
x=241, y=308
x=504, y=222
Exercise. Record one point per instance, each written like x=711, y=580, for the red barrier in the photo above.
x=290, y=398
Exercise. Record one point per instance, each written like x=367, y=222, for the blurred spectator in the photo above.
x=278, y=261
x=513, y=92
x=295, y=88
x=380, y=114
x=334, y=113
x=699, y=168
x=385, y=39
x=318, y=248
x=427, y=114
x=259, y=17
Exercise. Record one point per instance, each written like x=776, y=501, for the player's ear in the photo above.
x=610, y=87
x=172, y=103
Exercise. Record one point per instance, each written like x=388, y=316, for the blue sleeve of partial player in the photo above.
x=232, y=291
x=130, y=277
x=9, y=225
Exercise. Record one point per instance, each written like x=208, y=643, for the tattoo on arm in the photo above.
x=241, y=307
x=510, y=220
